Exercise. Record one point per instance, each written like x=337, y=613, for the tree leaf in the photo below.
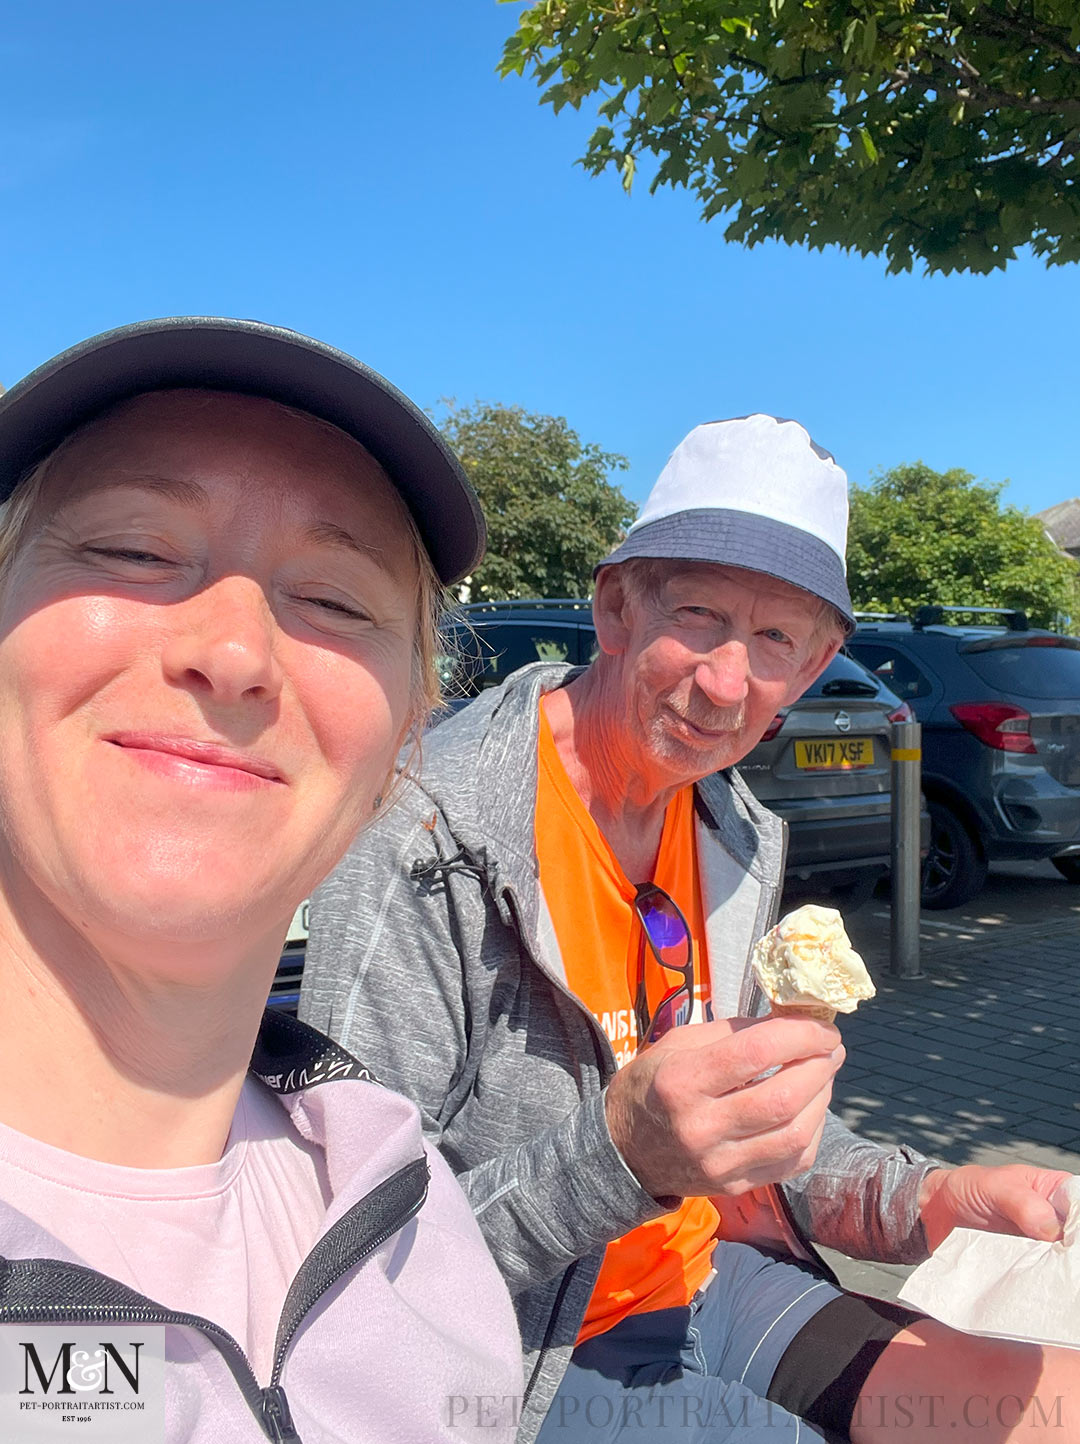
x=890, y=127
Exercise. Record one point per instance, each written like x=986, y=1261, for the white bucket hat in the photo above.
x=753, y=492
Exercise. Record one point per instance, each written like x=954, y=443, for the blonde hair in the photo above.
x=19, y=511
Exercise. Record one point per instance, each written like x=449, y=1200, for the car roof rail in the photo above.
x=933, y=616
x=532, y=604
x=881, y=616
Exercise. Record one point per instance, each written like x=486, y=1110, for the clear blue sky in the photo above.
x=359, y=172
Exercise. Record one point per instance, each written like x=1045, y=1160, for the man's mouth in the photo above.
x=715, y=730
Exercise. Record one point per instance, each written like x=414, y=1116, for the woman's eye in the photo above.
x=328, y=604
x=129, y=554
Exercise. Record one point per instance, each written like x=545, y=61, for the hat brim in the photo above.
x=742, y=539
x=221, y=354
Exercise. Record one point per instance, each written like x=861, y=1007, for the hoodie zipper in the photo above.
x=412, y=1182
x=608, y=1069
x=276, y=1418
x=270, y=1406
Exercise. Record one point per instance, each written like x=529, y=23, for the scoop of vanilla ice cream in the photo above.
x=807, y=959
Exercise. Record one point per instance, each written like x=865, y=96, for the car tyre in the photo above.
x=1069, y=867
x=955, y=868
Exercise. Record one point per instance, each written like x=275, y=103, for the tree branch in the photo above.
x=942, y=77
x=1005, y=27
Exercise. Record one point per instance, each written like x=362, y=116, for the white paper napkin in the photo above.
x=1004, y=1287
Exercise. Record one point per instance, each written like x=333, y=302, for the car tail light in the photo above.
x=998, y=724
x=773, y=727
x=903, y=713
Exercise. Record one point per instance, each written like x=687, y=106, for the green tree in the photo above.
x=940, y=130
x=918, y=535
x=551, y=510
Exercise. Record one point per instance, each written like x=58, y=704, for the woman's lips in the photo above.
x=206, y=764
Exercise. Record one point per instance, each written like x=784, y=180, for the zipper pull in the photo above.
x=276, y=1418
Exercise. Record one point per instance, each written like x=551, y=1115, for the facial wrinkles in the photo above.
x=247, y=544
x=687, y=701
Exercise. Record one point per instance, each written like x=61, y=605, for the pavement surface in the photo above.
x=977, y=1061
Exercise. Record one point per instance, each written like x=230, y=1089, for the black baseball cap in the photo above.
x=218, y=353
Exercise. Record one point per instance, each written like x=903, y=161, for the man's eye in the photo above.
x=775, y=635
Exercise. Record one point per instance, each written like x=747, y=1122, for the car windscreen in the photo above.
x=1042, y=667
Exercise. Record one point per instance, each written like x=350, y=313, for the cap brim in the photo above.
x=742, y=539
x=220, y=354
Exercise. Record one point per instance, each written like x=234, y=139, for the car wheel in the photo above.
x=1069, y=867
x=954, y=869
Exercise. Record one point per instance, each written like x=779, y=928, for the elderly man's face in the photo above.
x=205, y=667
x=706, y=663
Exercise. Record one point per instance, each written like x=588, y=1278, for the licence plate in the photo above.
x=835, y=754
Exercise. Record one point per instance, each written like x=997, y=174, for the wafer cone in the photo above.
x=820, y=1012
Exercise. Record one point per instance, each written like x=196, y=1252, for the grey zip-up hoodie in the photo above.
x=432, y=956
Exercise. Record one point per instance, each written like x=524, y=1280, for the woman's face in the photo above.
x=205, y=668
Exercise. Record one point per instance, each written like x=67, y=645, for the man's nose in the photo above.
x=723, y=673
x=224, y=644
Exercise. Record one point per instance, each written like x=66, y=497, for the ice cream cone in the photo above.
x=820, y=1012
x=807, y=967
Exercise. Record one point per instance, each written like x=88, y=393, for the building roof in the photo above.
x=1062, y=522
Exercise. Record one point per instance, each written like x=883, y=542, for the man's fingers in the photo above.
x=770, y=1158
x=1047, y=1181
x=775, y=1102
x=738, y=1058
x=709, y=1106
x=1030, y=1215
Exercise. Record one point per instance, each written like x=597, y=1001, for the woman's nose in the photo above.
x=224, y=643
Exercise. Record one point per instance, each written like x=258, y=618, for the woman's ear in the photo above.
x=611, y=609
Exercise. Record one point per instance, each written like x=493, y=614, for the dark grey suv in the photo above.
x=823, y=764
x=1000, y=711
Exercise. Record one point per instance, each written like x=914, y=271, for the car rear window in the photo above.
x=844, y=677
x=894, y=670
x=1036, y=668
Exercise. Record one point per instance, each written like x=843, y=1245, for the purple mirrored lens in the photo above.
x=666, y=929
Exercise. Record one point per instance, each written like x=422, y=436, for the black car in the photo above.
x=999, y=704
x=823, y=764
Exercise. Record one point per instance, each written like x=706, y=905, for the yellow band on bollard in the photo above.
x=907, y=754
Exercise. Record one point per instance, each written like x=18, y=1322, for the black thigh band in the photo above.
x=822, y=1371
